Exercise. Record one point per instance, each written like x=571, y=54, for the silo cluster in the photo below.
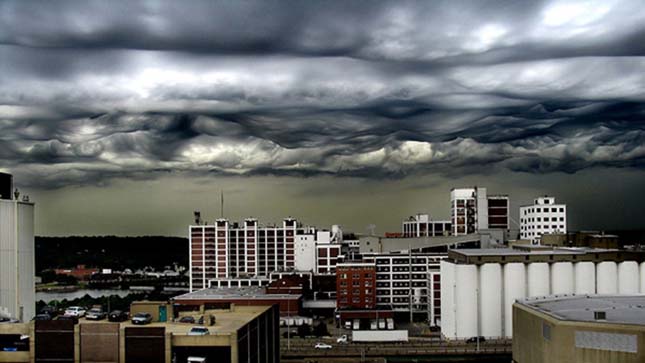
x=477, y=300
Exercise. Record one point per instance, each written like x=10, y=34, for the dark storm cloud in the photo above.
x=96, y=90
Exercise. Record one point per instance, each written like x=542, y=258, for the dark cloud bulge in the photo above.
x=96, y=91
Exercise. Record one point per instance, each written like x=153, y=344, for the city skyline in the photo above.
x=122, y=118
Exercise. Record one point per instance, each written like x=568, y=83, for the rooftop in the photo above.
x=228, y=293
x=520, y=252
x=227, y=321
x=619, y=309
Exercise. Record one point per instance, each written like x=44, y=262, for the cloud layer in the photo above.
x=95, y=90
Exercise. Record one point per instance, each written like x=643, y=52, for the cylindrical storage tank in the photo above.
x=628, y=273
x=642, y=277
x=585, y=277
x=514, y=289
x=606, y=278
x=447, y=272
x=562, y=278
x=466, y=300
x=490, y=300
x=538, y=279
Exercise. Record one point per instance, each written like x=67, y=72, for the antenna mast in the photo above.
x=221, y=207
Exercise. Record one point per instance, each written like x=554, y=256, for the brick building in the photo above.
x=356, y=285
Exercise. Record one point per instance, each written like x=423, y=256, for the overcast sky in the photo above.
x=122, y=117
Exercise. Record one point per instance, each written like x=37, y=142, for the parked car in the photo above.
x=474, y=339
x=196, y=360
x=322, y=346
x=49, y=310
x=292, y=334
x=199, y=330
x=118, y=315
x=68, y=317
x=95, y=314
x=187, y=320
x=142, y=318
x=76, y=311
x=342, y=339
x=43, y=316
x=7, y=320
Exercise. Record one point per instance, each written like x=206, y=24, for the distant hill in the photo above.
x=110, y=252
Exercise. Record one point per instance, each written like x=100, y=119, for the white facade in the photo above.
x=472, y=209
x=17, y=265
x=305, y=252
x=405, y=282
x=421, y=225
x=501, y=285
x=226, y=251
x=543, y=217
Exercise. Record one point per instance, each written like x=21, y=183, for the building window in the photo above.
x=561, y=210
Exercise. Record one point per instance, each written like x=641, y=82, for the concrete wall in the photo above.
x=17, y=266
x=99, y=343
x=18, y=329
x=539, y=338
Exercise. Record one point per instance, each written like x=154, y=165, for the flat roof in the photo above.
x=619, y=309
x=230, y=293
x=226, y=323
x=519, y=252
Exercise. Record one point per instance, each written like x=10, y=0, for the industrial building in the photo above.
x=472, y=210
x=239, y=334
x=479, y=286
x=17, y=265
x=421, y=225
x=227, y=250
x=542, y=218
x=584, y=329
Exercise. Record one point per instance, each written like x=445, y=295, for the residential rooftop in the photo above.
x=618, y=309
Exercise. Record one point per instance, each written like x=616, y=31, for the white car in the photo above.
x=342, y=339
x=76, y=311
x=322, y=346
x=199, y=330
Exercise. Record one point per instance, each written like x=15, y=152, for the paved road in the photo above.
x=303, y=348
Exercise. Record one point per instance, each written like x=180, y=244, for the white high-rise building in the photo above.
x=17, y=265
x=543, y=217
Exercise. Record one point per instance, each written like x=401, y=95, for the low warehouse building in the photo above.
x=585, y=329
x=239, y=334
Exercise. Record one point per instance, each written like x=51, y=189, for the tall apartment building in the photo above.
x=232, y=251
x=421, y=225
x=17, y=266
x=404, y=282
x=226, y=250
x=473, y=210
x=543, y=217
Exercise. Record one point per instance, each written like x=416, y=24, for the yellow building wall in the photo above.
x=530, y=346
